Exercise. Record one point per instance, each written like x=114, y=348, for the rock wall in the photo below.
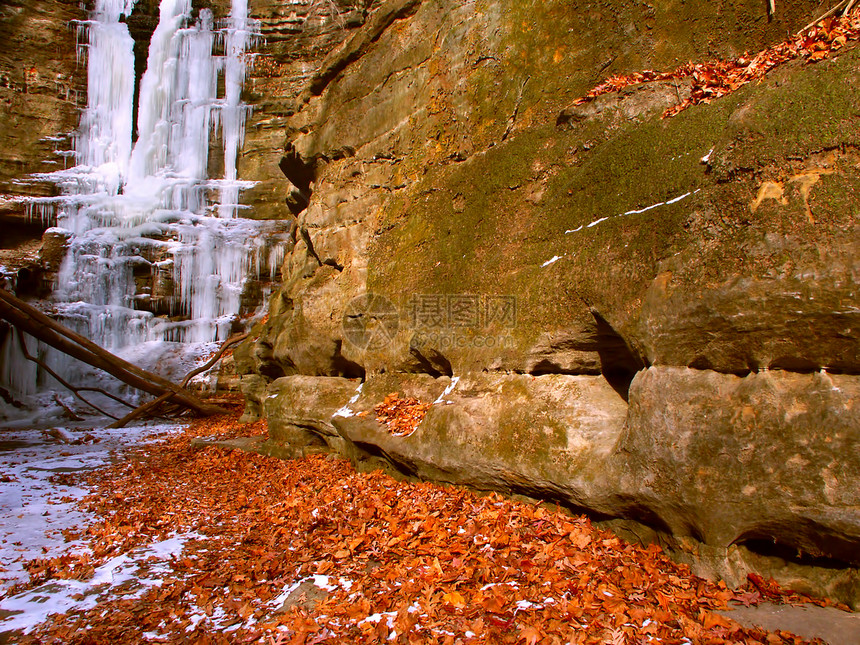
x=41, y=87
x=295, y=36
x=652, y=320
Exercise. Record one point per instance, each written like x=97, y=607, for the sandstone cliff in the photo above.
x=653, y=320
x=41, y=88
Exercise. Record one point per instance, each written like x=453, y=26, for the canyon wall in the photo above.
x=295, y=37
x=652, y=320
x=41, y=88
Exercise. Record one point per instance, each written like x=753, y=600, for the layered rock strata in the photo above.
x=41, y=88
x=651, y=320
x=295, y=37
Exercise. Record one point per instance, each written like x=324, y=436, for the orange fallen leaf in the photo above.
x=530, y=635
x=455, y=598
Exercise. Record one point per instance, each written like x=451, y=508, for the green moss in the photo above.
x=503, y=236
x=489, y=224
x=553, y=51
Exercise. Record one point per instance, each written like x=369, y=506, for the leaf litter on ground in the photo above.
x=401, y=415
x=718, y=78
x=311, y=551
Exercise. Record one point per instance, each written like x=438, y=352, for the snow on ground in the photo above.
x=360, y=556
x=37, y=504
x=130, y=574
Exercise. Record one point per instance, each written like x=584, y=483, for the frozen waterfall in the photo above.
x=158, y=253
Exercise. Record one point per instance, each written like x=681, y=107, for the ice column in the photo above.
x=149, y=213
x=233, y=112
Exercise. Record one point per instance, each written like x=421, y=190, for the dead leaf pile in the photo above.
x=388, y=561
x=401, y=416
x=717, y=78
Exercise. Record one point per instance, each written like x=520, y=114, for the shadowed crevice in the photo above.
x=618, y=363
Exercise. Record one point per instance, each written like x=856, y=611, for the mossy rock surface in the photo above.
x=642, y=204
x=669, y=280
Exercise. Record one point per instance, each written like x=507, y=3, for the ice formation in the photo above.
x=158, y=252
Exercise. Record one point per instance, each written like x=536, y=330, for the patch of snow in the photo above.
x=513, y=584
x=320, y=581
x=637, y=211
x=143, y=567
x=195, y=620
x=552, y=260
x=346, y=411
x=375, y=618
x=448, y=390
x=323, y=582
x=36, y=506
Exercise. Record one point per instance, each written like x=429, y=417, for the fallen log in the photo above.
x=224, y=347
x=6, y=395
x=71, y=413
x=139, y=411
x=22, y=343
x=151, y=406
x=27, y=318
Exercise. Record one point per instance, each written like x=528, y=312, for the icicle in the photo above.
x=17, y=373
x=139, y=213
x=233, y=113
x=104, y=139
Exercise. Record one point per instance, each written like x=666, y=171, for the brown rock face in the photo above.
x=777, y=449
x=654, y=320
x=41, y=87
x=296, y=36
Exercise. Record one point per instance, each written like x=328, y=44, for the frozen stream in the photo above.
x=36, y=506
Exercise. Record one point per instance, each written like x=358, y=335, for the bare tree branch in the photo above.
x=139, y=411
x=63, y=382
x=27, y=318
x=199, y=370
